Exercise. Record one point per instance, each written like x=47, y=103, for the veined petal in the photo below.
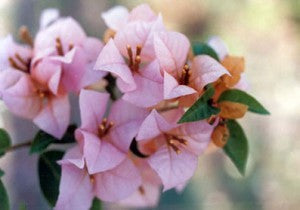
x=92, y=109
x=110, y=60
x=206, y=70
x=171, y=49
x=75, y=189
x=173, y=90
x=142, y=13
x=99, y=155
x=127, y=119
x=173, y=169
x=73, y=156
x=54, y=117
x=147, y=94
x=118, y=183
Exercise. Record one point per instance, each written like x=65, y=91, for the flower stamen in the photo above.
x=25, y=35
x=59, y=47
x=174, y=141
x=141, y=190
x=185, y=77
x=104, y=127
x=134, y=62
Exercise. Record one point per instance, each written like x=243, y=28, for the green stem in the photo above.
x=18, y=146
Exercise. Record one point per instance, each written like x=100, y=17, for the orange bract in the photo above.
x=220, y=135
x=232, y=110
x=235, y=65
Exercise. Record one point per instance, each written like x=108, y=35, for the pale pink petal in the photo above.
x=147, y=94
x=92, y=109
x=8, y=48
x=66, y=29
x=142, y=13
x=116, y=17
x=73, y=72
x=173, y=169
x=75, y=190
x=127, y=119
x=173, y=90
x=206, y=70
x=98, y=153
x=92, y=48
x=110, y=60
x=180, y=188
x=91, y=76
x=198, y=135
x=73, y=156
x=9, y=78
x=118, y=183
x=153, y=126
x=54, y=117
x=152, y=71
x=243, y=84
x=48, y=73
x=19, y=94
x=134, y=34
x=48, y=16
x=171, y=50
x=219, y=46
x=67, y=58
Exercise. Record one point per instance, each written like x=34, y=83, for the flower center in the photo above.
x=141, y=190
x=59, y=47
x=104, y=127
x=185, y=76
x=134, y=62
x=25, y=36
x=20, y=63
x=174, y=142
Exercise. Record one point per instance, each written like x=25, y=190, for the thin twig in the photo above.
x=18, y=146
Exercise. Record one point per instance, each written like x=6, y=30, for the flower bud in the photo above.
x=220, y=135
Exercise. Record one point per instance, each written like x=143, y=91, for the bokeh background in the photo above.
x=266, y=32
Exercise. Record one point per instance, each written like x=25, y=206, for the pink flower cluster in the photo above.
x=158, y=79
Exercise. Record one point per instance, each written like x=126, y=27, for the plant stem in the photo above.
x=18, y=146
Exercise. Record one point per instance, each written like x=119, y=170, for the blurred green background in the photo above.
x=267, y=33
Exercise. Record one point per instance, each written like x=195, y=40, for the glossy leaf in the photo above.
x=42, y=140
x=96, y=204
x=5, y=141
x=242, y=97
x=204, y=49
x=237, y=146
x=4, y=202
x=49, y=174
x=201, y=109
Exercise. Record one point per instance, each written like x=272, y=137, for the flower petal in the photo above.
x=173, y=90
x=142, y=13
x=48, y=16
x=127, y=119
x=92, y=108
x=110, y=60
x=173, y=169
x=54, y=117
x=118, y=183
x=147, y=94
x=97, y=153
x=206, y=70
x=171, y=49
x=73, y=156
x=75, y=189
x=219, y=46
x=116, y=17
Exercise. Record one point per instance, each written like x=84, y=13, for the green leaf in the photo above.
x=96, y=204
x=1, y=173
x=237, y=146
x=49, y=174
x=4, y=202
x=201, y=109
x=204, y=49
x=242, y=97
x=42, y=140
x=5, y=141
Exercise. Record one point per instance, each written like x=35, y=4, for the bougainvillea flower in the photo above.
x=117, y=17
x=180, y=79
x=111, y=185
x=148, y=193
x=173, y=148
x=26, y=98
x=101, y=137
x=64, y=41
